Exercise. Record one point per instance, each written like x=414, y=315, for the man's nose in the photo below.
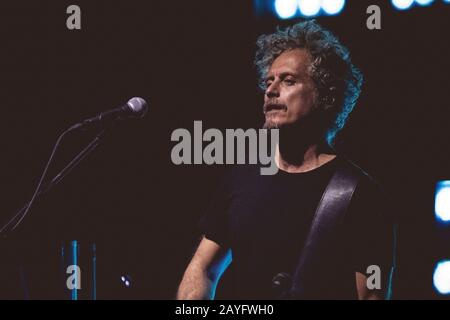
x=272, y=90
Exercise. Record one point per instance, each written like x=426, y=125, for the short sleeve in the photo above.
x=370, y=231
x=215, y=224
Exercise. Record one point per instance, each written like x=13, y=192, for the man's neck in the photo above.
x=307, y=159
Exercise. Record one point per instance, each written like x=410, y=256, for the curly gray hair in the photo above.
x=338, y=81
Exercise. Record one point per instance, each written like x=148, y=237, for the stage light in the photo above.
x=286, y=8
x=332, y=7
x=447, y=1
x=442, y=201
x=402, y=4
x=441, y=277
x=309, y=8
x=424, y=2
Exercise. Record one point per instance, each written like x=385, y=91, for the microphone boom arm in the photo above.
x=19, y=216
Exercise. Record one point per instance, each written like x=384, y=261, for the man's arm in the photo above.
x=203, y=272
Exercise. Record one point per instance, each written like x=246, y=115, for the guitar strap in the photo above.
x=321, y=241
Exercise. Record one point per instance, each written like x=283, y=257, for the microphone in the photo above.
x=135, y=108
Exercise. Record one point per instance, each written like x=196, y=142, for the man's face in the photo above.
x=290, y=95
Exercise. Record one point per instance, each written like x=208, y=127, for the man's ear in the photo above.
x=329, y=98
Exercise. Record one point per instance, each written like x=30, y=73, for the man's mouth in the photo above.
x=274, y=107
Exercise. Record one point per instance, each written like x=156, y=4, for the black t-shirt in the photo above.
x=265, y=219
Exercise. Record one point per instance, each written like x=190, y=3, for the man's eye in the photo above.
x=268, y=83
x=289, y=82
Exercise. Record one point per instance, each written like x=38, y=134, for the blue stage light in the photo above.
x=286, y=9
x=441, y=277
x=424, y=2
x=442, y=201
x=332, y=7
x=402, y=4
x=309, y=8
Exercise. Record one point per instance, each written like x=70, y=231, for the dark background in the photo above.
x=192, y=60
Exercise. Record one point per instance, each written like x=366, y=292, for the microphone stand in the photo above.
x=14, y=222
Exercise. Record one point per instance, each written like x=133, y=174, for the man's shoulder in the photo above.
x=238, y=175
x=365, y=180
x=237, y=171
x=369, y=200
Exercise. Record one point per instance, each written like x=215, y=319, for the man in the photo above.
x=262, y=223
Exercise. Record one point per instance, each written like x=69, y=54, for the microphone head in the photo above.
x=138, y=107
